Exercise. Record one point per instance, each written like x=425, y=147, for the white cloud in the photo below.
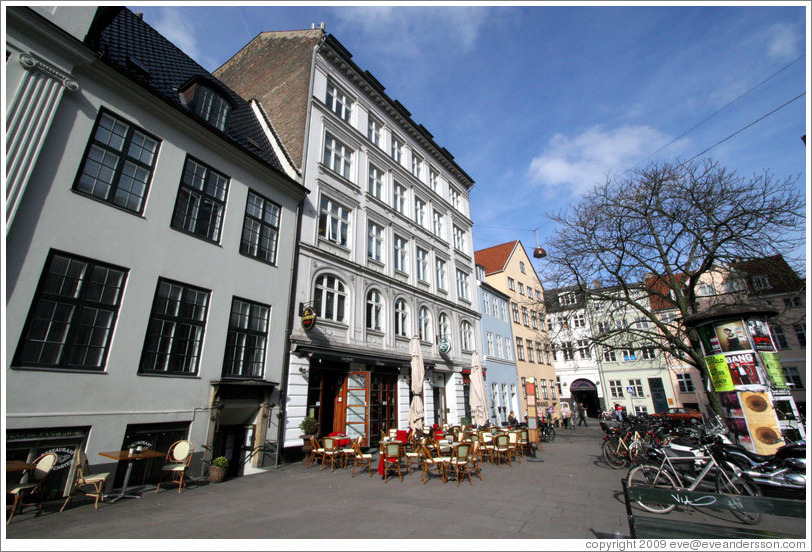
x=412, y=32
x=580, y=162
x=783, y=41
x=175, y=26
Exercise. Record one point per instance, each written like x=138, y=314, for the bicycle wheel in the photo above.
x=552, y=434
x=637, y=451
x=730, y=484
x=651, y=477
x=611, y=454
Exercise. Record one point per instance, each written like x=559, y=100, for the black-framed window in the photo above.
x=73, y=314
x=118, y=163
x=260, y=231
x=201, y=201
x=247, y=339
x=211, y=106
x=175, y=333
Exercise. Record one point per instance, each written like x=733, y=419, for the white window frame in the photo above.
x=424, y=323
x=420, y=212
x=463, y=285
x=441, y=274
x=374, y=310
x=374, y=128
x=401, y=318
x=401, y=254
x=375, y=241
x=459, y=239
x=335, y=295
x=438, y=223
x=337, y=156
x=399, y=193
x=336, y=222
x=422, y=259
x=338, y=102
x=375, y=182
x=466, y=336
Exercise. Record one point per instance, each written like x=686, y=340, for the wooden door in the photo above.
x=356, y=406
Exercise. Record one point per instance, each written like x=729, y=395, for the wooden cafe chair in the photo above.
x=178, y=458
x=42, y=468
x=84, y=483
x=460, y=461
x=430, y=462
x=360, y=458
x=392, y=456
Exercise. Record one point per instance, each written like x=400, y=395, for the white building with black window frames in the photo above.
x=387, y=227
x=149, y=248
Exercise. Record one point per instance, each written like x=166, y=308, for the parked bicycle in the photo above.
x=686, y=470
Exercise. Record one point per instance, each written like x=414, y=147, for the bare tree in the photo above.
x=644, y=243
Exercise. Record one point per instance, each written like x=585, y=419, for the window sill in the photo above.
x=59, y=370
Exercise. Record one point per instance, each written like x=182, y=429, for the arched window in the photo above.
x=330, y=298
x=424, y=322
x=374, y=310
x=466, y=336
x=401, y=318
x=443, y=327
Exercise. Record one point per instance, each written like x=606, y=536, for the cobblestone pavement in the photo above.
x=567, y=492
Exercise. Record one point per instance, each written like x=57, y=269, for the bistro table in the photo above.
x=18, y=465
x=130, y=458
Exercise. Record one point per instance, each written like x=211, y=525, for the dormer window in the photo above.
x=208, y=103
x=212, y=107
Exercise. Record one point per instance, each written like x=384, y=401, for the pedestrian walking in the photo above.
x=582, y=415
x=565, y=414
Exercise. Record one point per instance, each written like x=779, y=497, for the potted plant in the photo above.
x=309, y=427
x=219, y=467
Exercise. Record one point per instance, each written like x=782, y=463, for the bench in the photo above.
x=661, y=526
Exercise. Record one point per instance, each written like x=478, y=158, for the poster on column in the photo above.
x=710, y=343
x=772, y=365
x=719, y=373
x=742, y=367
x=732, y=337
x=762, y=422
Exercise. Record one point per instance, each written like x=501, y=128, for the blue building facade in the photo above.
x=501, y=376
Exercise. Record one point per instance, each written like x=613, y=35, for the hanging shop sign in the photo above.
x=444, y=345
x=308, y=318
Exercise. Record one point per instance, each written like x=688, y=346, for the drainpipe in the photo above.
x=280, y=440
x=283, y=385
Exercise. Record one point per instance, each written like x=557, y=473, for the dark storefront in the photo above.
x=354, y=395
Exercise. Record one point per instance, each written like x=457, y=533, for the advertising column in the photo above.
x=745, y=372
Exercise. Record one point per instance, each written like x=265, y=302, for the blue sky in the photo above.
x=540, y=102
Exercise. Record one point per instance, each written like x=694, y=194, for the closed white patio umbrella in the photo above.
x=477, y=397
x=416, y=413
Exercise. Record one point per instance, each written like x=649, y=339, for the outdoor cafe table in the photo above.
x=18, y=465
x=126, y=456
x=341, y=440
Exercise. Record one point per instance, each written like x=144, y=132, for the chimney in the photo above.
x=321, y=25
x=139, y=15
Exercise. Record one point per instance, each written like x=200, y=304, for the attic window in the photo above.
x=207, y=103
x=761, y=282
x=138, y=67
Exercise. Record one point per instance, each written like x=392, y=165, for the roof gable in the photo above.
x=495, y=259
x=135, y=49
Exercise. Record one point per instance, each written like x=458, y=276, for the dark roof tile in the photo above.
x=139, y=51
